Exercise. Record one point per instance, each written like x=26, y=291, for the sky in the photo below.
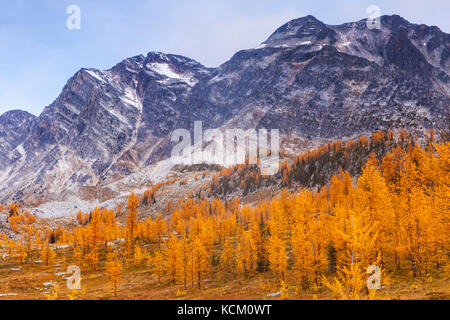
x=39, y=53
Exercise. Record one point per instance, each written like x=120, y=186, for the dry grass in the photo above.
x=34, y=280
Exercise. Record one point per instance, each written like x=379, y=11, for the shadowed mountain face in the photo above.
x=313, y=81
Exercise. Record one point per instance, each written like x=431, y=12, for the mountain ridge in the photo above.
x=311, y=80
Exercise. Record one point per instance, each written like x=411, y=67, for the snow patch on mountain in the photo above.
x=95, y=75
x=165, y=70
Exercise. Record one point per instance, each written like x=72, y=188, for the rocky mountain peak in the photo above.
x=295, y=27
x=301, y=31
x=314, y=82
x=394, y=22
x=12, y=118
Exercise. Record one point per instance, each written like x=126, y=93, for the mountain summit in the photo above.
x=315, y=82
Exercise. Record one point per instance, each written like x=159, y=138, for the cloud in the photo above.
x=432, y=13
x=214, y=43
x=34, y=81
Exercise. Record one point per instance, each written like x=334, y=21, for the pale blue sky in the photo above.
x=39, y=54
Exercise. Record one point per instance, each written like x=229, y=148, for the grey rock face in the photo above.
x=14, y=128
x=308, y=79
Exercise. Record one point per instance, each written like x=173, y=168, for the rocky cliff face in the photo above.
x=14, y=128
x=310, y=80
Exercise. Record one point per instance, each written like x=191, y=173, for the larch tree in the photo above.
x=132, y=212
x=114, y=267
x=171, y=252
x=278, y=257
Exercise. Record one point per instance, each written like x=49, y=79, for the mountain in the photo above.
x=315, y=82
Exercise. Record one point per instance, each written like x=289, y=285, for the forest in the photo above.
x=318, y=238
